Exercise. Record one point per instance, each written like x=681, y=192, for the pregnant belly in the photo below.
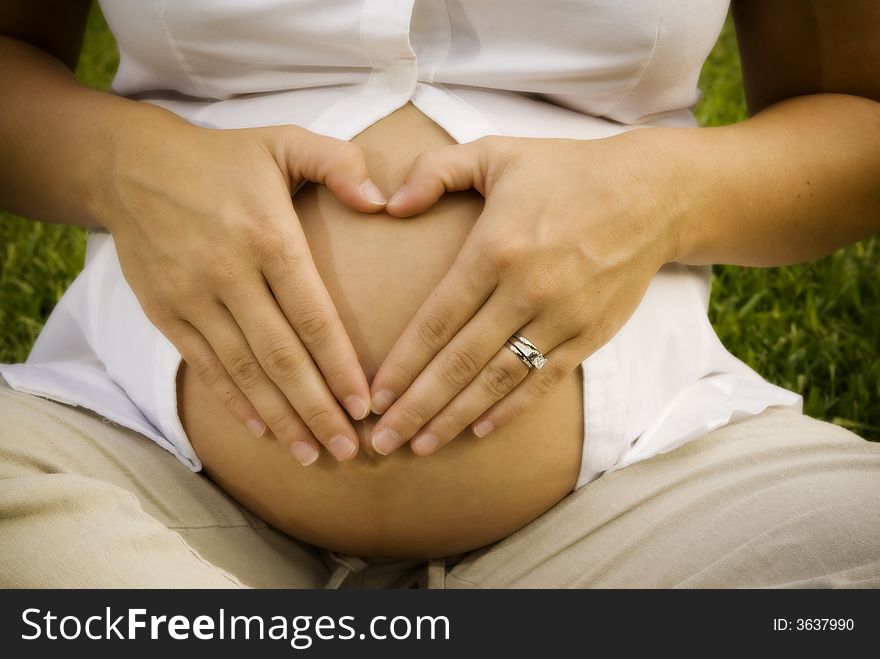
x=379, y=270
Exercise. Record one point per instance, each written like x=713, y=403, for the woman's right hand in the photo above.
x=209, y=241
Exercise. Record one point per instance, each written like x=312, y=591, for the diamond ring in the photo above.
x=527, y=352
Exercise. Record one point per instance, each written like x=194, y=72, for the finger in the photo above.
x=282, y=357
x=560, y=362
x=458, y=296
x=337, y=164
x=502, y=375
x=206, y=366
x=448, y=373
x=226, y=339
x=440, y=170
x=299, y=291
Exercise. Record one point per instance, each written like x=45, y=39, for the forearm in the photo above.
x=60, y=141
x=795, y=182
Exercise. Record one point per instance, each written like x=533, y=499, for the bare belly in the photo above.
x=379, y=270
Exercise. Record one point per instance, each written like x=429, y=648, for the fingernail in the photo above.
x=341, y=447
x=483, y=428
x=304, y=452
x=372, y=193
x=386, y=440
x=397, y=196
x=425, y=444
x=357, y=407
x=257, y=427
x=382, y=401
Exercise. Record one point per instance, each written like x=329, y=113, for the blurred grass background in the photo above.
x=813, y=328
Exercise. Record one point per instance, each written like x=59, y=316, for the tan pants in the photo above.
x=776, y=500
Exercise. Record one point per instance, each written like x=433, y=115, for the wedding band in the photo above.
x=527, y=352
x=520, y=356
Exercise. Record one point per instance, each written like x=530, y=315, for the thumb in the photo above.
x=335, y=163
x=440, y=170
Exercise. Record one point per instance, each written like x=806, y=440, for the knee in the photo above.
x=39, y=436
x=813, y=530
x=22, y=444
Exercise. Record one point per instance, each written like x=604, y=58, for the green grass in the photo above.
x=813, y=328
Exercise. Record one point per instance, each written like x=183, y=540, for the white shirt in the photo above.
x=560, y=68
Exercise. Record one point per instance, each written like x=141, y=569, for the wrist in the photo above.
x=684, y=165
x=664, y=189
x=130, y=147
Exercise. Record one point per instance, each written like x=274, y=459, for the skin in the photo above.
x=378, y=271
x=795, y=181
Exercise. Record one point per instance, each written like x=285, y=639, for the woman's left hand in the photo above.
x=571, y=234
